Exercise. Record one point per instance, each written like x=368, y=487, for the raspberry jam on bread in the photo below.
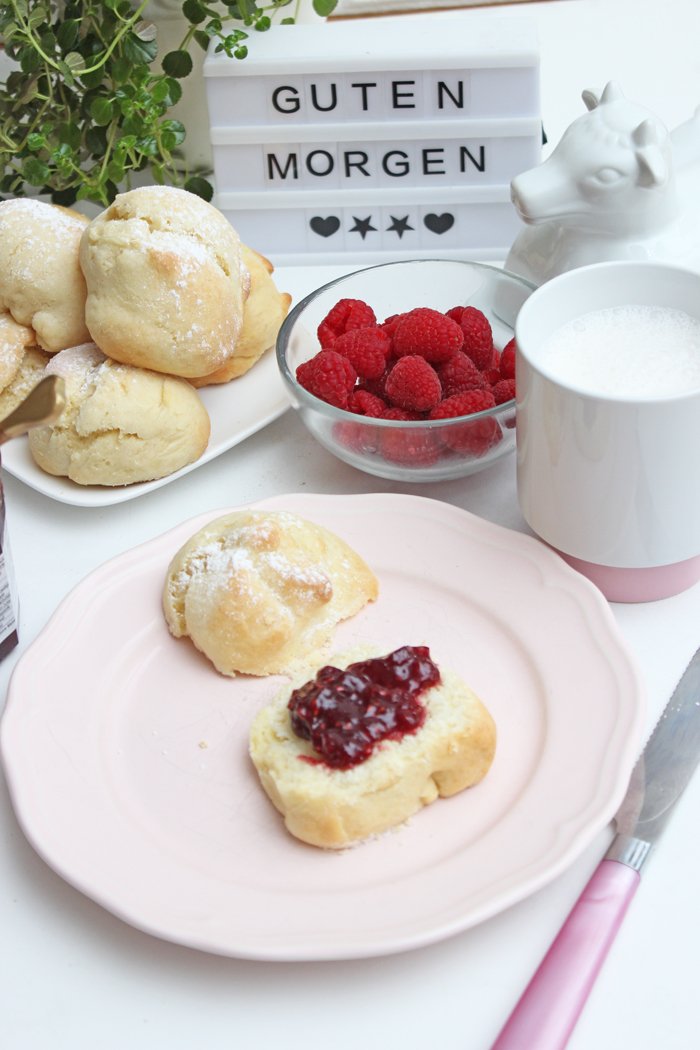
x=345, y=713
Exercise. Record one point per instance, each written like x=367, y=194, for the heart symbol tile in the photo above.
x=325, y=227
x=439, y=223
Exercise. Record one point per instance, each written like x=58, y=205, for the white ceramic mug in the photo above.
x=611, y=480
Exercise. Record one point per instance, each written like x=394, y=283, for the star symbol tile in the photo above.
x=399, y=226
x=362, y=226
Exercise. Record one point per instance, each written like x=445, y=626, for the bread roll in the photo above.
x=14, y=340
x=165, y=280
x=334, y=808
x=30, y=371
x=120, y=424
x=264, y=311
x=260, y=592
x=41, y=283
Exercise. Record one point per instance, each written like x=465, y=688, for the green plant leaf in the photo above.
x=101, y=111
x=148, y=146
x=67, y=34
x=96, y=141
x=39, y=16
x=36, y=172
x=194, y=12
x=69, y=135
x=115, y=171
x=178, y=64
x=75, y=62
x=248, y=11
x=174, y=91
x=139, y=51
x=200, y=187
x=30, y=61
x=145, y=31
x=64, y=197
x=324, y=8
x=35, y=142
x=8, y=29
x=48, y=41
x=92, y=80
x=159, y=91
x=125, y=143
x=121, y=70
x=176, y=129
x=66, y=73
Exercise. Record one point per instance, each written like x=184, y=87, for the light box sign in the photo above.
x=371, y=141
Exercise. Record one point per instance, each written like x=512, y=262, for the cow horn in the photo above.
x=611, y=92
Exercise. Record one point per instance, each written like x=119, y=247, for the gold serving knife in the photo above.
x=42, y=405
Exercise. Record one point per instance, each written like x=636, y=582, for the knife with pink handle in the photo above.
x=549, y=1008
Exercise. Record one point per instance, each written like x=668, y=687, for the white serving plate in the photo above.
x=237, y=410
x=126, y=754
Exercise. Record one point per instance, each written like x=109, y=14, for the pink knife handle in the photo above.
x=550, y=1005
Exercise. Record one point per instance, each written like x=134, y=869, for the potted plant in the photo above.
x=88, y=102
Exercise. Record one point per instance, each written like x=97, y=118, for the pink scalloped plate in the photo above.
x=126, y=753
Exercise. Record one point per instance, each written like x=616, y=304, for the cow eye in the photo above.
x=606, y=176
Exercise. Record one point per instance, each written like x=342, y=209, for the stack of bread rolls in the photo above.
x=136, y=309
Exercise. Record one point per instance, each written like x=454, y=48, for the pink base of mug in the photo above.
x=638, y=585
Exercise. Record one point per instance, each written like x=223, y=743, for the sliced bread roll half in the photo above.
x=261, y=592
x=337, y=807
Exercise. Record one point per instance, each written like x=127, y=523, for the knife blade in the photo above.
x=550, y=1006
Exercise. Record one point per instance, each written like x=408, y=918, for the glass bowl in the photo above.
x=425, y=450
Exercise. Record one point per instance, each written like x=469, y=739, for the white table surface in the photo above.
x=74, y=976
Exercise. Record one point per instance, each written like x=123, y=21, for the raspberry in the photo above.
x=413, y=384
x=410, y=447
x=376, y=386
x=458, y=374
x=356, y=437
x=473, y=438
x=343, y=317
x=389, y=326
x=507, y=363
x=366, y=404
x=428, y=333
x=491, y=376
x=366, y=349
x=329, y=376
x=478, y=337
x=463, y=404
x=401, y=414
x=503, y=390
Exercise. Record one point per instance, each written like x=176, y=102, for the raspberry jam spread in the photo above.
x=344, y=714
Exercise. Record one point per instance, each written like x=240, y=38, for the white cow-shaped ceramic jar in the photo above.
x=617, y=186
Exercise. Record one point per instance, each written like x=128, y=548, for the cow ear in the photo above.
x=611, y=92
x=590, y=99
x=647, y=133
x=653, y=167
